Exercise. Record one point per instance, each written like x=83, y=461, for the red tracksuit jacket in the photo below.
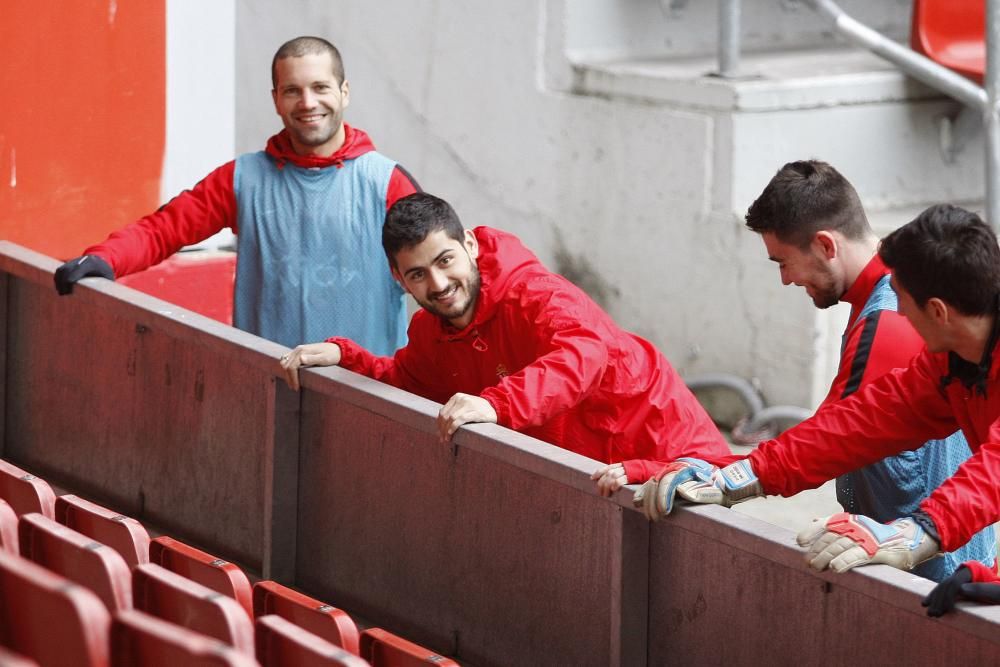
x=896, y=412
x=551, y=363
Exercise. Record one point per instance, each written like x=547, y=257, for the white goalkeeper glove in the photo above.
x=699, y=482
x=843, y=541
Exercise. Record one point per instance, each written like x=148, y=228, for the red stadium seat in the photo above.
x=330, y=623
x=49, y=619
x=8, y=529
x=951, y=33
x=160, y=592
x=126, y=536
x=25, y=492
x=206, y=569
x=140, y=639
x=384, y=649
x=281, y=642
x=78, y=558
x=11, y=659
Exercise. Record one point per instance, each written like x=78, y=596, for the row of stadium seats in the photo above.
x=83, y=585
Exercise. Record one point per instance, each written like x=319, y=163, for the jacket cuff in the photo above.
x=500, y=406
x=348, y=351
x=981, y=573
x=639, y=471
x=925, y=521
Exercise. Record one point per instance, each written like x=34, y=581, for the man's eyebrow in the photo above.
x=775, y=259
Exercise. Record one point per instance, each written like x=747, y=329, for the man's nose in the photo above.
x=438, y=281
x=308, y=99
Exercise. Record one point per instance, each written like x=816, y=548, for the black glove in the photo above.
x=982, y=592
x=81, y=267
x=942, y=599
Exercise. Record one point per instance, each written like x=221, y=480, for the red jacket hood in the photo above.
x=502, y=259
x=356, y=144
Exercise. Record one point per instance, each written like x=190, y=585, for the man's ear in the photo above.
x=345, y=91
x=826, y=243
x=471, y=244
x=938, y=310
x=274, y=98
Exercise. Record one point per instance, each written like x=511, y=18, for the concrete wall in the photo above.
x=630, y=176
x=495, y=549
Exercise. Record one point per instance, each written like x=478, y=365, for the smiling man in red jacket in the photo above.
x=945, y=268
x=501, y=339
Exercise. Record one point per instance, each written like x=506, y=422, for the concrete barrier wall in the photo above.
x=494, y=548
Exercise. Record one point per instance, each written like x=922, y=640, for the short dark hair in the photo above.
x=806, y=197
x=302, y=46
x=949, y=253
x=415, y=217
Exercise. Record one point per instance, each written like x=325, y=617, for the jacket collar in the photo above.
x=502, y=258
x=356, y=143
x=977, y=376
x=858, y=293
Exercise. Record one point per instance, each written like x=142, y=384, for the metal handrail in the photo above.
x=985, y=100
x=729, y=38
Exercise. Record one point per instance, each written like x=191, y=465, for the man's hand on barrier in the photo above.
x=76, y=269
x=960, y=586
x=699, y=482
x=982, y=592
x=610, y=478
x=843, y=541
x=313, y=354
x=464, y=409
x=944, y=596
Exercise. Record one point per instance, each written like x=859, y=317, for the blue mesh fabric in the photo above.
x=310, y=261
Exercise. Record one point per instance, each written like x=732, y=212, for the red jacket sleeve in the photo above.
x=571, y=364
x=400, y=185
x=982, y=574
x=190, y=217
x=898, y=411
x=406, y=370
x=969, y=500
x=638, y=471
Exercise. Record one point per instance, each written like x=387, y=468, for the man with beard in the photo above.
x=501, y=339
x=945, y=274
x=307, y=213
x=814, y=228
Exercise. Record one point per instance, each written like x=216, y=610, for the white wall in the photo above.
x=201, y=94
x=638, y=200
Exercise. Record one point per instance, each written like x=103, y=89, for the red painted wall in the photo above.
x=82, y=122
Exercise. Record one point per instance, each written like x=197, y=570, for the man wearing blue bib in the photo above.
x=307, y=212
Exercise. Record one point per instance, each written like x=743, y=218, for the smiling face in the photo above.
x=311, y=103
x=442, y=275
x=809, y=268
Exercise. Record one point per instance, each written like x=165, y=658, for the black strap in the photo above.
x=860, y=361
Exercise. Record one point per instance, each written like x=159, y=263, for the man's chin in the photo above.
x=825, y=301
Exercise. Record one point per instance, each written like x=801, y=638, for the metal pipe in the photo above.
x=729, y=38
x=991, y=113
x=746, y=391
x=923, y=69
x=776, y=413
